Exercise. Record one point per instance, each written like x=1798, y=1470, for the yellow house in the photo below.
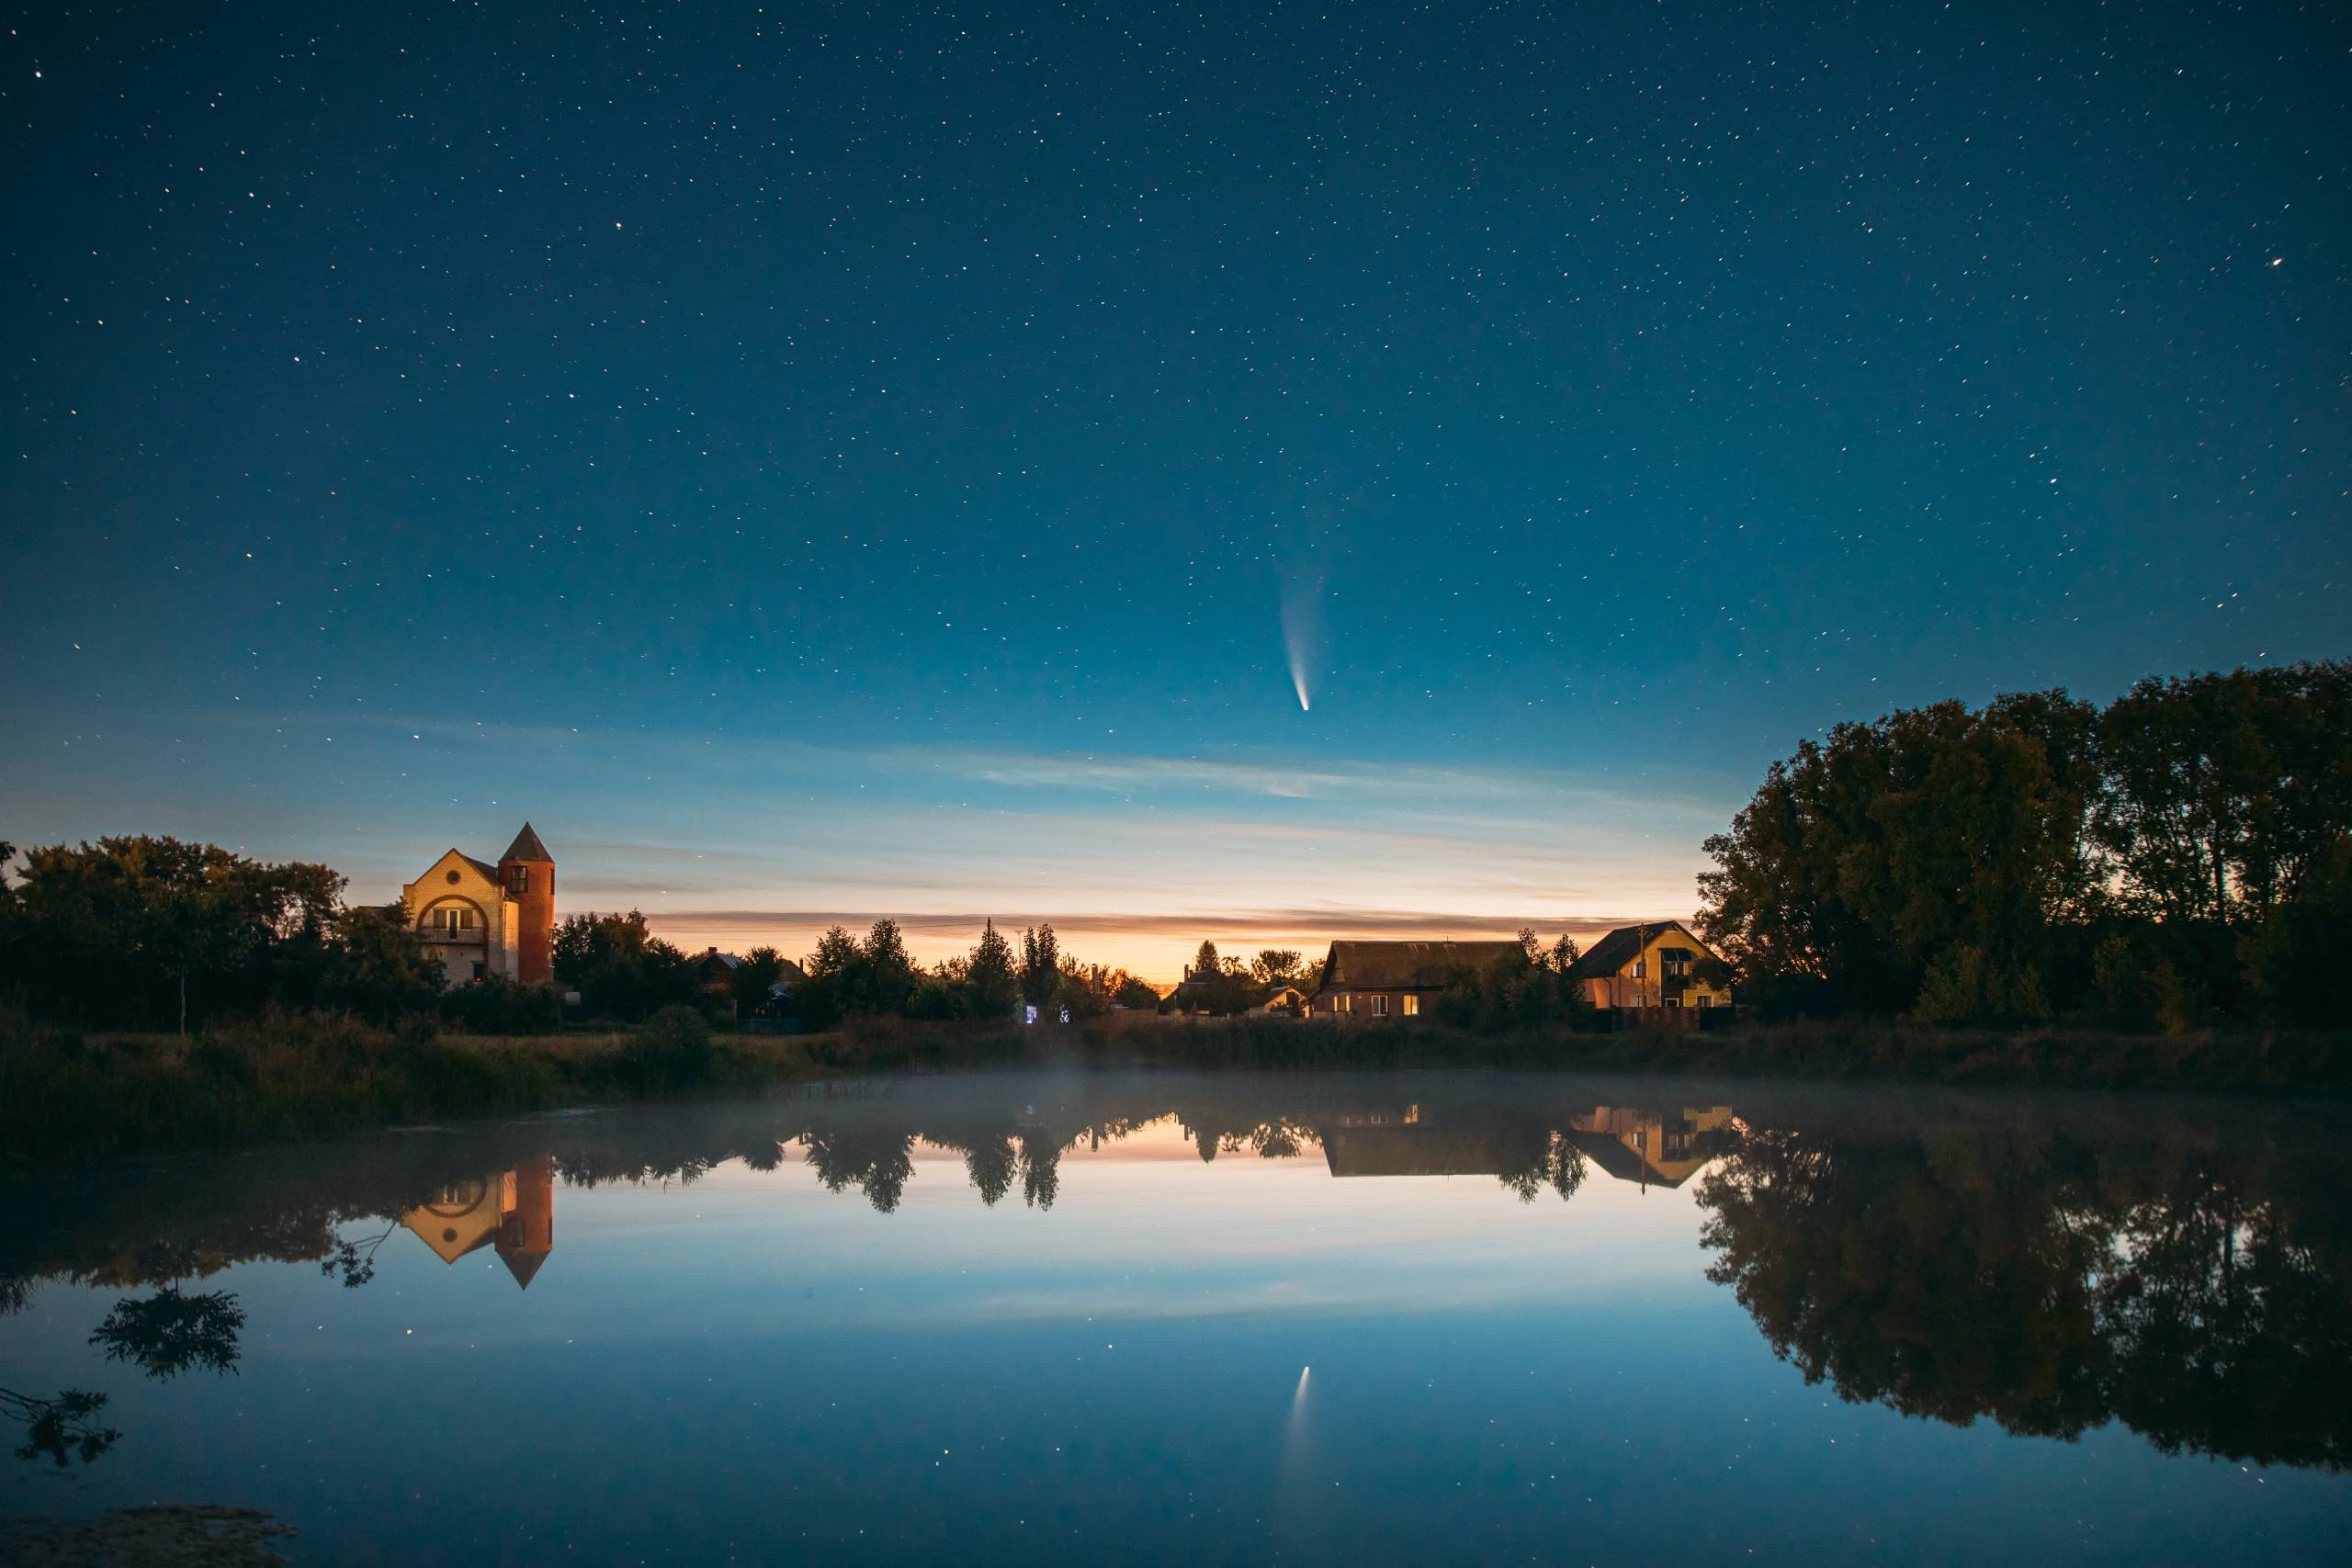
x=1656, y=964
x=512, y=1212
x=483, y=921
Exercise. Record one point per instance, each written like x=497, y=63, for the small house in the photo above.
x=1383, y=980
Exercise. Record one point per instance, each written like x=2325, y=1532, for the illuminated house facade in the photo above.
x=1659, y=964
x=488, y=923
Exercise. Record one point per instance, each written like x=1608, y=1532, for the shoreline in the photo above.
x=64, y=1096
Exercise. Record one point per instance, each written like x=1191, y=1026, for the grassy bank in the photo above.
x=64, y=1094
x=1833, y=1049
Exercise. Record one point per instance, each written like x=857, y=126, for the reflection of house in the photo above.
x=513, y=1213
x=1657, y=964
x=1656, y=1148
x=1410, y=1147
x=1651, y=1146
x=488, y=923
x=1395, y=979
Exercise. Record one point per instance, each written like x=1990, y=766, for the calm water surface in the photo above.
x=1385, y=1318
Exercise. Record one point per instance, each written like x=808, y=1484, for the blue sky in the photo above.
x=912, y=463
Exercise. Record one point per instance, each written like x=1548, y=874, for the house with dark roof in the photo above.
x=1659, y=964
x=1395, y=979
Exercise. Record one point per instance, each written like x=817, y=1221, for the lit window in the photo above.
x=450, y=918
x=1412, y=1005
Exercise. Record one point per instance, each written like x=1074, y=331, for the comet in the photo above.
x=1302, y=618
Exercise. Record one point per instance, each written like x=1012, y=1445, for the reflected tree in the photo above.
x=877, y=1162
x=1041, y=1172
x=169, y=1333
x=1546, y=1159
x=355, y=1266
x=2045, y=1285
x=61, y=1430
x=991, y=1164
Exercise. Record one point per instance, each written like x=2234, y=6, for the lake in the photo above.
x=1027, y=1316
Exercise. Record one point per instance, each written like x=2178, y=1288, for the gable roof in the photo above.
x=487, y=873
x=1405, y=966
x=526, y=846
x=1624, y=945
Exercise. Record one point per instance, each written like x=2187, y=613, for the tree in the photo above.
x=1129, y=992
x=619, y=967
x=1276, y=967
x=1041, y=972
x=989, y=978
x=1935, y=842
x=111, y=929
x=377, y=966
x=2219, y=790
x=756, y=978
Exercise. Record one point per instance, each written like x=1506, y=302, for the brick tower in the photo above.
x=527, y=875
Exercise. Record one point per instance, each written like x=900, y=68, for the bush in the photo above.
x=501, y=1007
x=672, y=1050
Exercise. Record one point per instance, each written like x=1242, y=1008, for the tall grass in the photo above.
x=62, y=1093
x=1844, y=1048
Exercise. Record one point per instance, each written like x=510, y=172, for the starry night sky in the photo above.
x=820, y=460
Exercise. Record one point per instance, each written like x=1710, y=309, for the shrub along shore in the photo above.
x=66, y=1095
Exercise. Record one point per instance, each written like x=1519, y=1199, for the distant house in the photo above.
x=1395, y=979
x=1656, y=964
x=714, y=973
x=1286, y=1000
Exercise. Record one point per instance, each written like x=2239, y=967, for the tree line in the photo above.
x=2181, y=858
x=141, y=931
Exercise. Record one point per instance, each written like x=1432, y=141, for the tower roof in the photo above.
x=526, y=846
x=523, y=1262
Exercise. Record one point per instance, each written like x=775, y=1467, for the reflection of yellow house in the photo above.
x=512, y=1212
x=1650, y=1146
x=1657, y=964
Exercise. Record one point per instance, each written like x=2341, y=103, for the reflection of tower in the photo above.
x=527, y=875
x=512, y=1212
x=527, y=1229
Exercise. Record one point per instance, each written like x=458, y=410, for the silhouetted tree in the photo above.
x=619, y=967
x=1041, y=971
x=990, y=982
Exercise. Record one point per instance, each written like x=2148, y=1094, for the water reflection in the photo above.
x=2198, y=1294
x=511, y=1211
x=2048, y=1266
